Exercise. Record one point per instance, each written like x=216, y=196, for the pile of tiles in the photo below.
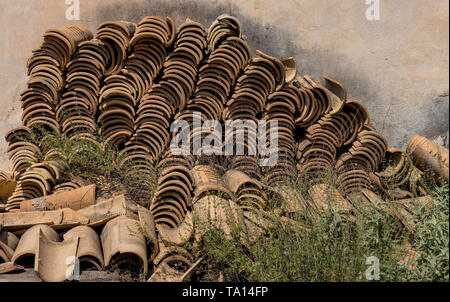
x=169, y=96
x=94, y=60
x=173, y=198
x=262, y=76
x=21, y=148
x=38, y=180
x=8, y=184
x=121, y=242
x=46, y=69
x=128, y=84
x=122, y=92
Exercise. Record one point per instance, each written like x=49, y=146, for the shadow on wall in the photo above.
x=279, y=41
x=439, y=130
x=274, y=40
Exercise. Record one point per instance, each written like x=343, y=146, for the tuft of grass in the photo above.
x=431, y=239
x=100, y=163
x=334, y=249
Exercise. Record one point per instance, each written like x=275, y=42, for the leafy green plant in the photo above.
x=432, y=239
x=91, y=158
x=329, y=248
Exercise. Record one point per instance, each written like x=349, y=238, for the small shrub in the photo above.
x=432, y=239
x=100, y=163
x=334, y=249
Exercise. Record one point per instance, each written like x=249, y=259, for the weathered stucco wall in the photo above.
x=397, y=66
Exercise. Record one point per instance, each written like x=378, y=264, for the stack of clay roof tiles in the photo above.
x=167, y=97
x=46, y=69
x=126, y=86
